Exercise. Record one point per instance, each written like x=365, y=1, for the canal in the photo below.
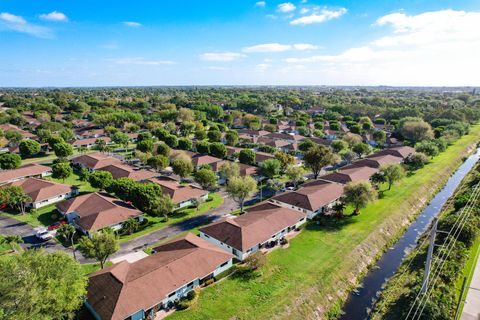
x=361, y=300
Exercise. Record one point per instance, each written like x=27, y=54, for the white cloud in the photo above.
x=304, y=10
x=431, y=48
x=262, y=67
x=322, y=16
x=54, y=16
x=132, y=24
x=221, y=56
x=142, y=61
x=286, y=7
x=278, y=47
x=260, y=4
x=12, y=22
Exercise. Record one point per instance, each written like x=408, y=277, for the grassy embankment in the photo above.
x=407, y=279
x=322, y=263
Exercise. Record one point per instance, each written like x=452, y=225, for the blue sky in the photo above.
x=239, y=42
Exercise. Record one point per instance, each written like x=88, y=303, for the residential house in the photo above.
x=138, y=290
x=262, y=225
x=43, y=192
x=199, y=160
x=402, y=152
x=90, y=142
x=32, y=170
x=120, y=170
x=262, y=156
x=313, y=198
x=375, y=161
x=231, y=151
x=94, y=161
x=284, y=136
x=181, y=195
x=10, y=127
x=96, y=211
x=88, y=133
x=345, y=176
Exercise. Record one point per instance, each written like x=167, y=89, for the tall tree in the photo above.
x=359, y=194
x=182, y=167
x=61, y=170
x=318, y=157
x=100, y=179
x=29, y=148
x=392, y=173
x=295, y=174
x=247, y=156
x=99, y=246
x=40, y=285
x=68, y=231
x=62, y=150
x=285, y=159
x=229, y=169
x=240, y=188
x=122, y=139
x=270, y=168
x=206, y=178
x=10, y=161
x=14, y=197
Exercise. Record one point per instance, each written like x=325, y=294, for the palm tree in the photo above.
x=68, y=232
x=12, y=241
x=130, y=226
x=339, y=207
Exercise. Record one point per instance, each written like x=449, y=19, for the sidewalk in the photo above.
x=471, y=309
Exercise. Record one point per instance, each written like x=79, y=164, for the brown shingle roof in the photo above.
x=85, y=142
x=202, y=159
x=97, y=211
x=350, y=175
x=26, y=171
x=255, y=226
x=403, y=152
x=119, y=170
x=375, y=162
x=95, y=160
x=119, y=291
x=40, y=190
x=177, y=192
x=312, y=196
x=10, y=127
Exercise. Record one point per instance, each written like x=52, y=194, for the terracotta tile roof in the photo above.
x=120, y=170
x=98, y=210
x=26, y=171
x=39, y=189
x=178, y=192
x=254, y=227
x=350, y=175
x=119, y=291
x=95, y=160
x=231, y=150
x=312, y=196
x=403, y=152
x=90, y=132
x=375, y=162
x=276, y=143
x=256, y=133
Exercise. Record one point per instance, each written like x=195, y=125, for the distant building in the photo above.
x=32, y=170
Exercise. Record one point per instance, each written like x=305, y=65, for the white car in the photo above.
x=43, y=233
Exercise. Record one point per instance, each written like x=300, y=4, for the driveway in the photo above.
x=150, y=239
x=9, y=226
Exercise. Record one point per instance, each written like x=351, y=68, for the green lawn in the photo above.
x=323, y=262
x=43, y=217
x=155, y=223
x=88, y=268
x=74, y=180
x=468, y=271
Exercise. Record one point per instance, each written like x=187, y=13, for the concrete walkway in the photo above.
x=471, y=308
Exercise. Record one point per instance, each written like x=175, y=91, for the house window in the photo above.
x=206, y=235
x=171, y=294
x=190, y=284
x=224, y=264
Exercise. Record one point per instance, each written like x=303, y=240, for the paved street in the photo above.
x=147, y=240
x=12, y=226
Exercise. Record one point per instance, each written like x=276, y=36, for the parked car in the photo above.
x=43, y=233
x=57, y=225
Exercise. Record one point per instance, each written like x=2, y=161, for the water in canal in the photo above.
x=361, y=300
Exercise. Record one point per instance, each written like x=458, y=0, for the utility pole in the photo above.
x=428, y=264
